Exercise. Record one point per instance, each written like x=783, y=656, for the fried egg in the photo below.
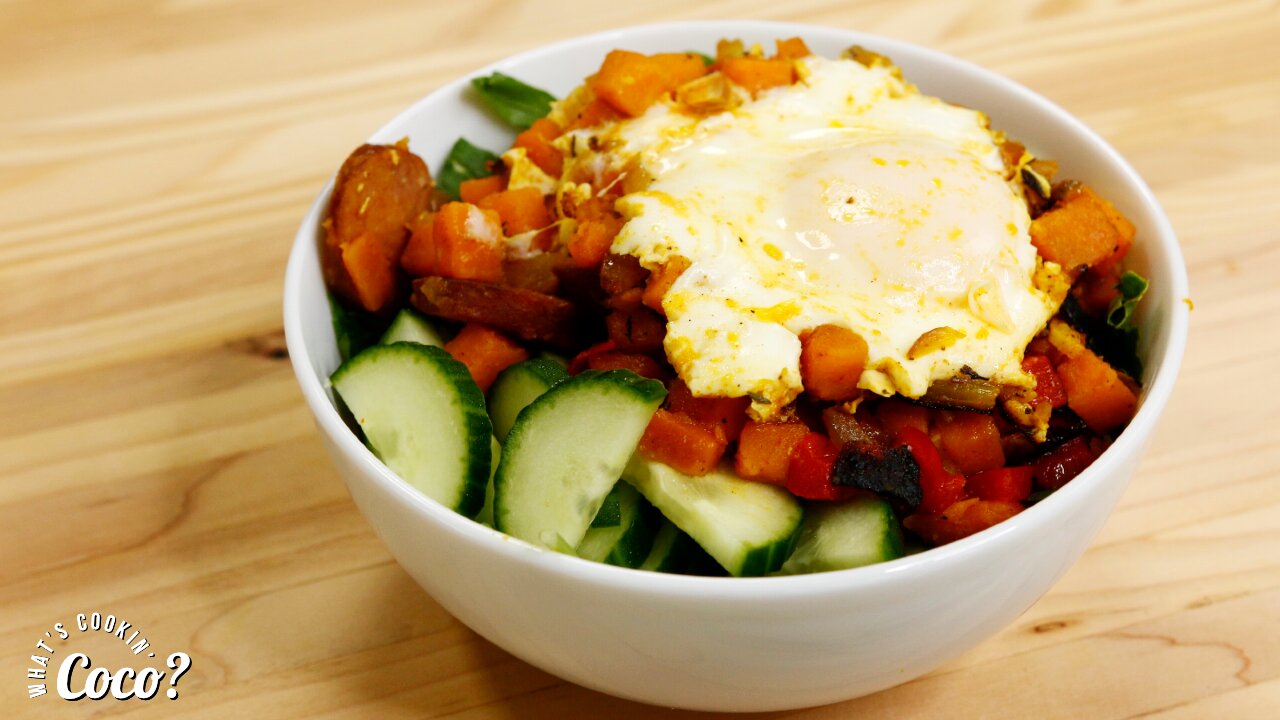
x=848, y=198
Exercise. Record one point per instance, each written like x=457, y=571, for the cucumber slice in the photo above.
x=485, y=516
x=566, y=450
x=553, y=357
x=839, y=536
x=628, y=542
x=675, y=552
x=423, y=415
x=518, y=386
x=409, y=326
x=748, y=527
x=353, y=328
x=610, y=514
x=666, y=553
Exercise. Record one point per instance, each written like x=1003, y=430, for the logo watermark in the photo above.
x=75, y=677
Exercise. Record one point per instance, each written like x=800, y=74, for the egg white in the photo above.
x=849, y=198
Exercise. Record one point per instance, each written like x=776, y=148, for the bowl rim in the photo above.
x=1130, y=442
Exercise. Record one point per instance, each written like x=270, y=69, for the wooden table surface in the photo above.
x=158, y=464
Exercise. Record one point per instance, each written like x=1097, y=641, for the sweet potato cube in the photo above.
x=485, y=351
x=792, y=48
x=371, y=276
x=894, y=415
x=537, y=144
x=831, y=362
x=682, y=443
x=642, y=365
x=971, y=441
x=467, y=241
x=1096, y=392
x=476, y=189
x=961, y=520
x=764, y=450
x=597, y=112
x=631, y=82
x=1081, y=230
x=662, y=279
x=756, y=74
x=591, y=241
x=521, y=210
x=419, y=256
x=727, y=414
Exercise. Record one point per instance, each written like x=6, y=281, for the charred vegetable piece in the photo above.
x=962, y=392
x=895, y=474
x=848, y=431
x=639, y=330
x=809, y=472
x=524, y=313
x=621, y=273
x=941, y=489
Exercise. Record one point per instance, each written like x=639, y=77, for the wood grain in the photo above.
x=157, y=461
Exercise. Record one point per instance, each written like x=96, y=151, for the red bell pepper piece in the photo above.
x=579, y=361
x=809, y=471
x=941, y=488
x=1006, y=484
x=1055, y=468
x=1048, y=385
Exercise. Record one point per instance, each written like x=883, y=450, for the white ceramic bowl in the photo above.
x=762, y=643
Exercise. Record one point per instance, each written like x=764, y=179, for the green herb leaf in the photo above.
x=706, y=59
x=1118, y=346
x=1036, y=496
x=516, y=103
x=1132, y=287
x=464, y=162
